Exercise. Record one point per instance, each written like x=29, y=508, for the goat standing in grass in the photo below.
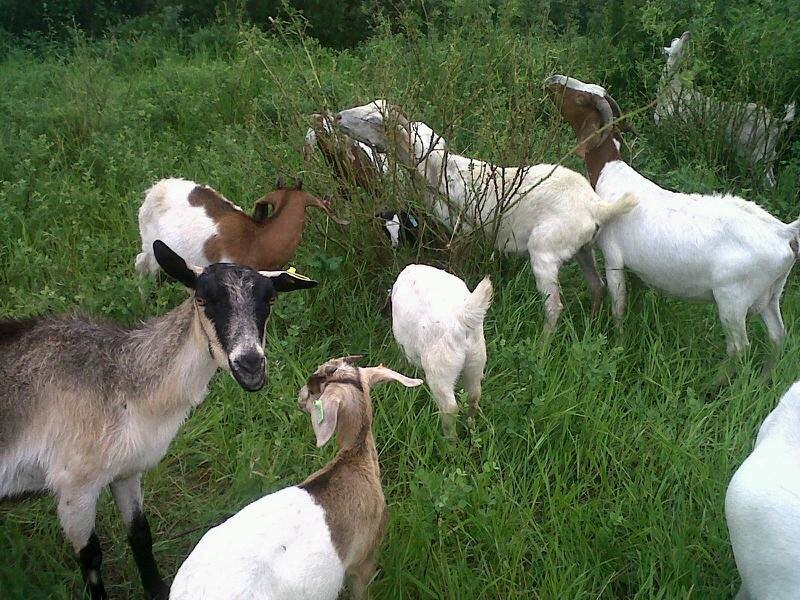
x=545, y=211
x=749, y=127
x=86, y=404
x=301, y=542
x=718, y=248
x=439, y=325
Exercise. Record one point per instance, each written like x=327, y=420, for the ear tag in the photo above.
x=320, y=412
x=291, y=270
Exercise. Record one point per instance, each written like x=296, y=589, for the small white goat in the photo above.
x=301, y=542
x=750, y=127
x=439, y=325
x=715, y=248
x=207, y=228
x=762, y=507
x=545, y=211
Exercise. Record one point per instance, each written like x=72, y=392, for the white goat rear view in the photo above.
x=439, y=325
x=545, y=211
x=762, y=507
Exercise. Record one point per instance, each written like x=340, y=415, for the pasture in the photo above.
x=599, y=464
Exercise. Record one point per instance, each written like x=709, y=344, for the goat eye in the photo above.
x=271, y=300
x=200, y=301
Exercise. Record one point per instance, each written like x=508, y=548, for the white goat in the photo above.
x=762, y=507
x=301, y=542
x=87, y=404
x=439, y=325
x=704, y=247
x=749, y=127
x=545, y=211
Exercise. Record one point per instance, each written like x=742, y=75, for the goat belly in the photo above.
x=277, y=548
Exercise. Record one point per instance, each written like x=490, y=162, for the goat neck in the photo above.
x=598, y=157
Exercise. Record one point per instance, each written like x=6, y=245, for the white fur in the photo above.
x=714, y=248
x=278, y=547
x=393, y=228
x=166, y=215
x=762, y=507
x=545, y=211
x=439, y=325
x=749, y=127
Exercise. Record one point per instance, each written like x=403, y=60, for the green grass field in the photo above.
x=599, y=465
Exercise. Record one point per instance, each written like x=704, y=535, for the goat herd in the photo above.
x=87, y=404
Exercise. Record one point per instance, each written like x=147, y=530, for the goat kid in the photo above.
x=545, y=211
x=303, y=541
x=205, y=228
x=749, y=127
x=717, y=248
x=86, y=404
x=439, y=324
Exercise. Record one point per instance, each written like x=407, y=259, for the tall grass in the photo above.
x=599, y=464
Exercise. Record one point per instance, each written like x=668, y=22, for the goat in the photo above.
x=439, y=325
x=352, y=161
x=718, y=248
x=206, y=228
x=762, y=507
x=303, y=541
x=750, y=128
x=545, y=211
x=86, y=404
x=402, y=227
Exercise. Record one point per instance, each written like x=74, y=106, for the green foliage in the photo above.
x=599, y=464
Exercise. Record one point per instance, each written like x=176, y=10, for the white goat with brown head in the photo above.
x=751, y=128
x=304, y=541
x=716, y=248
x=545, y=211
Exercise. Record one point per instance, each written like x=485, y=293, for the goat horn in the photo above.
x=623, y=124
x=607, y=113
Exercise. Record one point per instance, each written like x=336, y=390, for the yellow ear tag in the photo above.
x=291, y=270
x=320, y=413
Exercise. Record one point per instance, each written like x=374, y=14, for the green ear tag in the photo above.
x=320, y=413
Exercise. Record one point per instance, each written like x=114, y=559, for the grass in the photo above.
x=599, y=465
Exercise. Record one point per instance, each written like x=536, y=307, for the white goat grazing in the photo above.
x=301, y=542
x=703, y=247
x=762, y=507
x=87, y=404
x=439, y=325
x=545, y=211
x=749, y=127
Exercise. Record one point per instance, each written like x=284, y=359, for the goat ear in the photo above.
x=353, y=359
x=174, y=265
x=380, y=374
x=289, y=281
x=298, y=184
x=324, y=416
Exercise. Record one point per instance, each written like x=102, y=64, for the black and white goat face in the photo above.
x=233, y=304
x=402, y=227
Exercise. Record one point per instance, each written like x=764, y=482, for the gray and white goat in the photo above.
x=751, y=128
x=86, y=404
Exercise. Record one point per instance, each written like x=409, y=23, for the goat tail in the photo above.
x=790, y=112
x=477, y=304
x=605, y=211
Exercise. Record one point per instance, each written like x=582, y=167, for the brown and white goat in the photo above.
x=205, y=228
x=87, y=404
x=303, y=541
